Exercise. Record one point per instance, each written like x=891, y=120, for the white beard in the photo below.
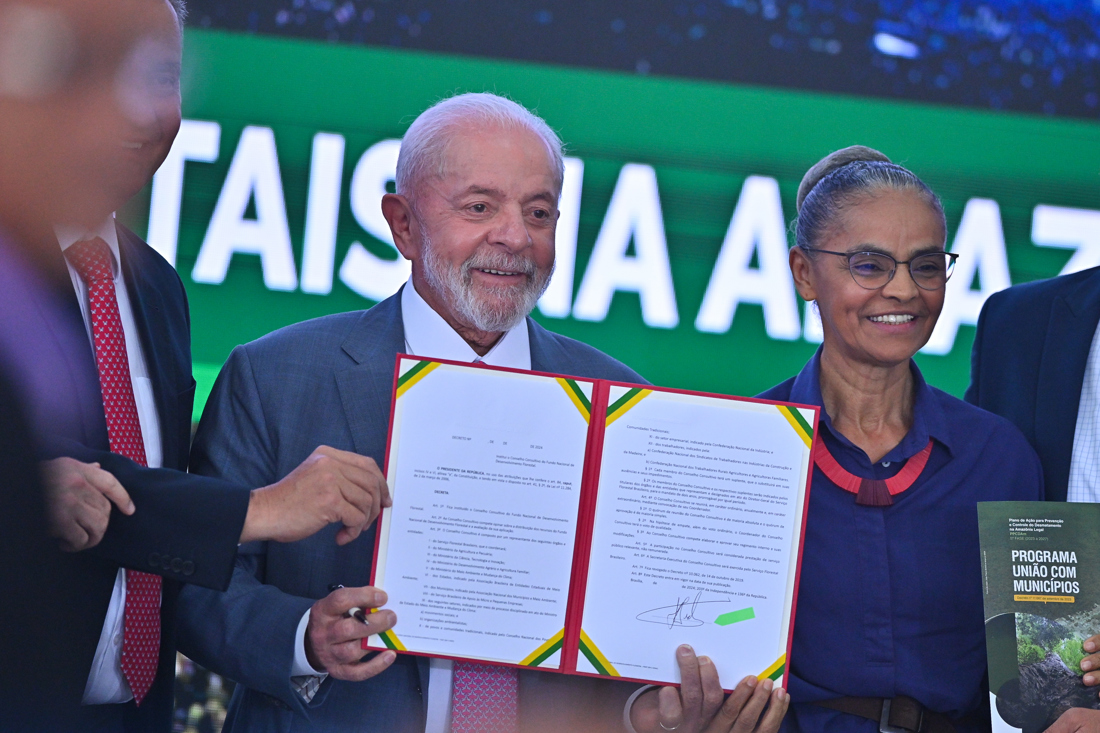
x=490, y=309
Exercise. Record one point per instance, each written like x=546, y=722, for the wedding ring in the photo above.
x=665, y=727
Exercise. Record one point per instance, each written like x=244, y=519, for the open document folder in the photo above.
x=590, y=527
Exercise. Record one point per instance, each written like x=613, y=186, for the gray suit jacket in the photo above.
x=328, y=382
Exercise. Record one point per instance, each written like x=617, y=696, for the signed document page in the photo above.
x=696, y=535
x=485, y=469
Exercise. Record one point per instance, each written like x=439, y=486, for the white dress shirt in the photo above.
x=1084, y=466
x=106, y=683
x=427, y=334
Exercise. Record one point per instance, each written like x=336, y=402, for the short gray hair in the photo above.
x=180, y=6
x=424, y=147
x=840, y=179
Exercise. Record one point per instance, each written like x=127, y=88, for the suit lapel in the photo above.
x=147, y=305
x=547, y=354
x=1073, y=320
x=365, y=388
x=366, y=391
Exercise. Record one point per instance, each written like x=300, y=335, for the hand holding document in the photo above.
x=699, y=705
x=336, y=626
x=590, y=527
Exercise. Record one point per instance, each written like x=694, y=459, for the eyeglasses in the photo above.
x=872, y=270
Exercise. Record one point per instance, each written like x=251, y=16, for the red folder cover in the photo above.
x=579, y=654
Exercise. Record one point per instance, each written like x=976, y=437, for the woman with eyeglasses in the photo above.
x=889, y=629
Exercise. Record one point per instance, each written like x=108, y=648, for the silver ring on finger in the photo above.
x=665, y=727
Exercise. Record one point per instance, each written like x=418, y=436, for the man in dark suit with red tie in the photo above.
x=94, y=339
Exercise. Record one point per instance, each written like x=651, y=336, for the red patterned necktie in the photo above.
x=486, y=698
x=141, y=620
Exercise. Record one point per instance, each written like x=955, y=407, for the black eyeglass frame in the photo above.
x=849, y=255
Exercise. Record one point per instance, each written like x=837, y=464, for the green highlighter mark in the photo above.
x=734, y=616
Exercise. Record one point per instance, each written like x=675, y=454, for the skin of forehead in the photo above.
x=849, y=218
x=500, y=135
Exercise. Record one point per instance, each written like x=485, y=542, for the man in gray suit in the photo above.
x=478, y=181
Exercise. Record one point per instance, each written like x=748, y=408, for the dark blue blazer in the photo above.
x=35, y=576
x=328, y=382
x=1029, y=362
x=185, y=527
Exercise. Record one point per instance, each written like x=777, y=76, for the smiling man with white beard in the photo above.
x=455, y=285
x=475, y=212
x=478, y=181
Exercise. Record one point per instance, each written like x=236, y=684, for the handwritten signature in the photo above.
x=680, y=613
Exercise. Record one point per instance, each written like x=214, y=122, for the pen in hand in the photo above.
x=353, y=612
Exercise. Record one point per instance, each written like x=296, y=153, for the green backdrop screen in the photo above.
x=675, y=214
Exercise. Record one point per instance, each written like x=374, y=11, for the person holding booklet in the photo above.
x=478, y=182
x=1036, y=362
x=889, y=629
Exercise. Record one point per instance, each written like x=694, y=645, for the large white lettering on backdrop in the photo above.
x=326, y=169
x=757, y=225
x=1079, y=229
x=633, y=214
x=253, y=175
x=812, y=330
x=558, y=298
x=197, y=140
x=369, y=275
x=980, y=244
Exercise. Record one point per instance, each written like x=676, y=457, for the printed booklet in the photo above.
x=1041, y=578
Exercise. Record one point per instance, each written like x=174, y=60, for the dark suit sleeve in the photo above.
x=39, y=672
x=249, y=632
x=973, y=392
x=184, y=527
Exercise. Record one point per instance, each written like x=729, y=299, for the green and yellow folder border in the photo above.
x=609, y=401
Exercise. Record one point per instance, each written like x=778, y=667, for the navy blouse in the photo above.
x=890, y=598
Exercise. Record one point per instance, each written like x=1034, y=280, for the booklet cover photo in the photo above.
x=1041, y=577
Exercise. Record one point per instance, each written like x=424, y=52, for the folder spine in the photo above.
x=586, y=512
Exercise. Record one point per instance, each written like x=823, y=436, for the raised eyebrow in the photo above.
x=930, y=249
x=546, y=196
x=483, y=191
x=874, y=249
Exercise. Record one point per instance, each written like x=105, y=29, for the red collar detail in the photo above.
x=871, y=492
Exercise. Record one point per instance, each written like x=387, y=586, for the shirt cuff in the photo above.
x=307, y=686
x=630, y=703
x=301, y=661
